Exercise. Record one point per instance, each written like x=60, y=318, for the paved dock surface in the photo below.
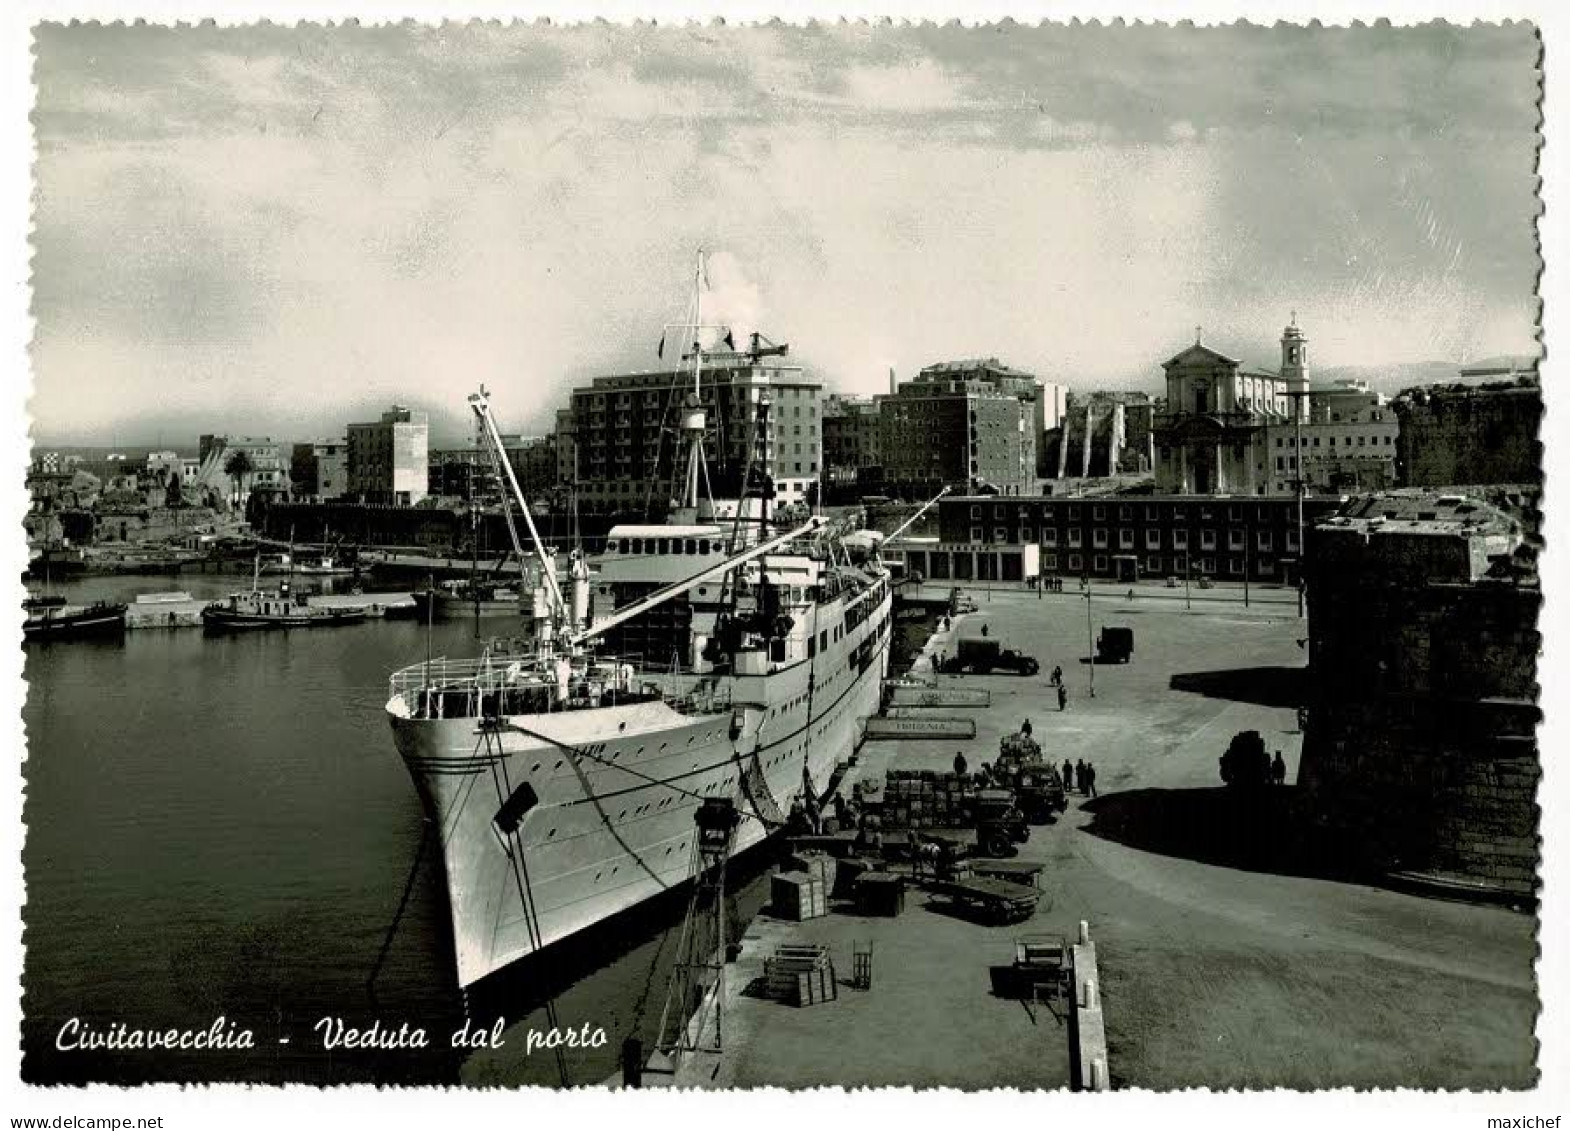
x=1229, y=957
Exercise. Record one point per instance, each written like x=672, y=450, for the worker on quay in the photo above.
x=1068, y=776
x=1278, y=770
x=1088, y=779
x=1062, y=698
x=1081, y=782
x=1057, y=675
x=1025, y=730
x=960, y=765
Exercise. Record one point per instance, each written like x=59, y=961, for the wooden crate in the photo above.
x=799, y=896
x=801, y=975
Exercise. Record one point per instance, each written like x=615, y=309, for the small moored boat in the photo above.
x=66, y=622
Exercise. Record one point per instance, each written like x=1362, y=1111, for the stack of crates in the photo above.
x=799, y=896
x=818, y=864
x=801, y=975
x=927, y=799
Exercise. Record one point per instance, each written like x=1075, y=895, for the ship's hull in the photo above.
x=75, y=626
x=444, y=606
x=615, y=790
x=225, y=620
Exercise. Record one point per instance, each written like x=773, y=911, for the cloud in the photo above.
x=275, y=229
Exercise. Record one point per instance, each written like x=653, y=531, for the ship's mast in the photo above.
x=693, y=419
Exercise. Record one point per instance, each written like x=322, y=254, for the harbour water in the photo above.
x=220, y=827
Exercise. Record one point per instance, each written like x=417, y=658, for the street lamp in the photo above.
x=1298, y=482
x=1090, y=638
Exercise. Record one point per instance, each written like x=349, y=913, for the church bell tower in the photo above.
x=1294, y=361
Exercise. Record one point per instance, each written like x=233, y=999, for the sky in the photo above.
x=270, y=230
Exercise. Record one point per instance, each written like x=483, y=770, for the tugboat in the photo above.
x=280, y=608
x=65, y=622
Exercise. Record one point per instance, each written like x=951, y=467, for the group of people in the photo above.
x=1051, y=584
x=1062, y=688
x=1079, y=776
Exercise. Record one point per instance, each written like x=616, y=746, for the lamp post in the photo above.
x=1298, y=483
x=1090, y=638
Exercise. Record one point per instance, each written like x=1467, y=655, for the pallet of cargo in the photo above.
x=997, y=900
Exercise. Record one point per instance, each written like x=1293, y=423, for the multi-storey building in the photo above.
x=1122, y=537
x=389, y=460
x=966, y=424
x=759, y=413
x=1213, y=436
x=466, y=473
x=319, y=469
x=268, y=470
x=852, y=437
x=566, y=448
x=1348, y=440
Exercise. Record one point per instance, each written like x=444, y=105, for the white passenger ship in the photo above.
x=564, y=780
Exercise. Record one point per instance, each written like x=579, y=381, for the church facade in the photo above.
x=1214, y=436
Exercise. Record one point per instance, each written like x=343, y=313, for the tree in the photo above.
x=174, y=494
x=237, y=467
x=1246, y=765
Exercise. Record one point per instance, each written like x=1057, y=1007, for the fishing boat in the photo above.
x=564, y=776
x=274, y=608
x=68, y=622
x=459, y=600
x=323, y=566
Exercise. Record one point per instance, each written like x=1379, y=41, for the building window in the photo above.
x=1236, y=540
x=1075, y=537
x=1263, y=540
x=1049, y=562
x=975, y=534
x=1049, y=536
x=1125, y=513
x=1100, y=565
x=1234, y=514
x=975, y=512
x=1075, y=563
x=1153, y=565
x=1207, y=539
x=1073, y=513
x=1235, y=566
x=1180, y=539
x=1152, y=512
x=1152, y=539
x=1099, y=514
x=1000, y=534
x=1026, y=534
x=1098, y=537
x=1125, y=539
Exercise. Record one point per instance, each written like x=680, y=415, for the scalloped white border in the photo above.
x=423, y=1108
